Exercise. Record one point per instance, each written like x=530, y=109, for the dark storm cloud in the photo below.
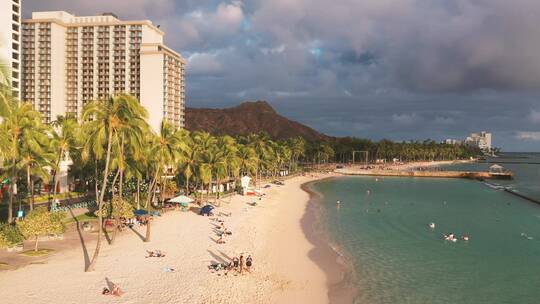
x=399, y=69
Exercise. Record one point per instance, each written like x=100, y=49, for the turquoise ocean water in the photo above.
x=397, y=258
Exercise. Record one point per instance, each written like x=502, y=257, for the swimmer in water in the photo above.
x=432, y=225
x=338, y=202
x=368, y=192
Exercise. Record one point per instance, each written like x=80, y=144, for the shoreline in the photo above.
x=340, y=274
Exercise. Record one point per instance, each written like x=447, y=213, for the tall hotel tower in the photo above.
x=68, y=61
x=10, y=42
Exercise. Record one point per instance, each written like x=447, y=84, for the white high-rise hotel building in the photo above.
x=10, y=42
x=68, y=61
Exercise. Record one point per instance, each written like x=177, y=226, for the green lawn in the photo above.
x=88, y=216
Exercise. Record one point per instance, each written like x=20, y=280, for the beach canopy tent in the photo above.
x=182, y=199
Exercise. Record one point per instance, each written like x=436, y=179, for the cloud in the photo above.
x=444, y=120
x=405, y=119
x=205, y=28
x=203, y=64
x=454, y=66
x=529, y=136
x=424, y=45
x=535, y=116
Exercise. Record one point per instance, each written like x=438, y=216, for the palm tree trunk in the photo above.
x=32, y=202
x=36, y=243
x=138, y=193
x=217, y=190
x=10, y=205
x=97, y=183
x=148, y=225
x=55, y=174
x=114, y=181
x=151, y=188
x=92, y=264
x=150, y=197
x=116, y=221
x=28, y=181
x=115, y=226
x=120, y=188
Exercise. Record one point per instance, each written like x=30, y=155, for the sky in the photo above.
x=395, y=69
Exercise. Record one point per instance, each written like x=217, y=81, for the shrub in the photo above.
x=9, y=236
x=42, y=222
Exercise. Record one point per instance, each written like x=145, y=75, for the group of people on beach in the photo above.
x=237, y=264
x=222, y=231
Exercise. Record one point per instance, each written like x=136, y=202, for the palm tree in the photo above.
x=21, y=128
x=65, y=139
x=260, y=143
x=188, y=165
x=203, y=142
x=297, y=145
x=215, y=161
x=229, y=152
x=35, y=164
x=247, y=160
x=165, y=152
x=104, y=121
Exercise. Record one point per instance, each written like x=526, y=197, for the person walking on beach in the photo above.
x=242, y=263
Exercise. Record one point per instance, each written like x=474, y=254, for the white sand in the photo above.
x=270, y=232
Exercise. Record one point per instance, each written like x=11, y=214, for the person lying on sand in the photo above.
x=216, y=267
x=220, y=240
x=116, y=291
x=155, y=254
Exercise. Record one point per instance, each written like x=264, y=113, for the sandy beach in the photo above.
x=271, y=232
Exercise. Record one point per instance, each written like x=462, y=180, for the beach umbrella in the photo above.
x=182, y=199
x=140, y=212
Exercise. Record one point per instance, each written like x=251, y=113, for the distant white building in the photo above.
x=451, y=141
x=481, y=140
